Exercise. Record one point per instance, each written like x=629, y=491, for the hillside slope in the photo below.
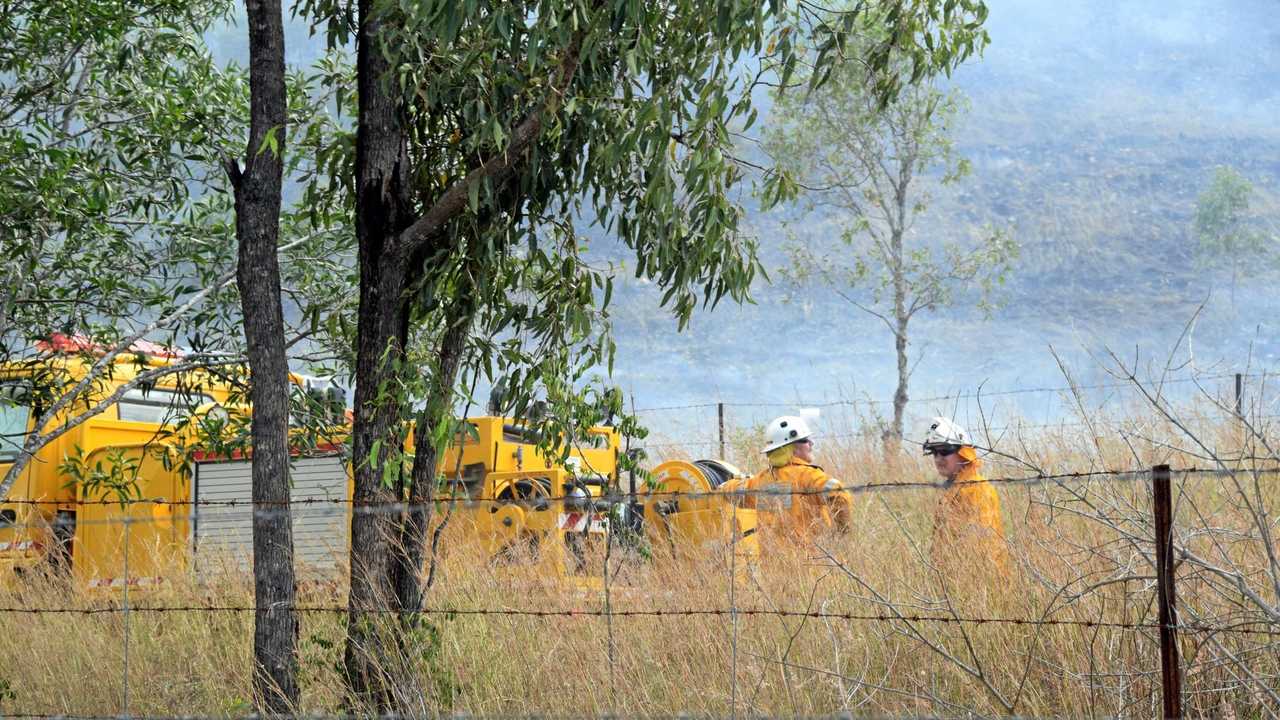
x=1092, y=130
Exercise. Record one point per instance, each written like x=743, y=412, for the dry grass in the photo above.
x=1081, y=552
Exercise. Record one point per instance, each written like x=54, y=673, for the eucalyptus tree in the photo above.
x=871, y=163
x=116, y=225
x=1224, y=230
x=483, y=133
x=258, y=189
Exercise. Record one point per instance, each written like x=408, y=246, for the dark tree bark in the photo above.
x=395, y=240
x=382, y=211
x=258, y=198
x=412, y=553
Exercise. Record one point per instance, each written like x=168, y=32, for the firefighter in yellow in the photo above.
x=968, y=533
x=795, y=498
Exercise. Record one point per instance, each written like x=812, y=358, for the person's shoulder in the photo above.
x=977, y=486
x=806, y=467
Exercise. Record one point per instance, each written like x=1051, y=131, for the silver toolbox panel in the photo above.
x=222, y=536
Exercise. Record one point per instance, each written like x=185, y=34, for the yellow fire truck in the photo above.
x=122, y=498
x=72, y=507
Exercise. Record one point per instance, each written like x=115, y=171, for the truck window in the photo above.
x=159, y=407
x=318, y=402
x=15, y=416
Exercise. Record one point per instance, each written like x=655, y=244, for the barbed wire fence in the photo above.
x=1164, y=553
x=1239, y=379
x=1168, y=625
x=726, y=417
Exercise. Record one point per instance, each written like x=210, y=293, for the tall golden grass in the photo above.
x=1080, y=550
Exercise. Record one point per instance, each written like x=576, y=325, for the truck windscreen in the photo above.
x=15, y=417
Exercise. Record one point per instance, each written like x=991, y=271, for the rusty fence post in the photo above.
x=1170, y=670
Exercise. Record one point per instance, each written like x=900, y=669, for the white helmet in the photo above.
x=784, y=431
x=942, y=431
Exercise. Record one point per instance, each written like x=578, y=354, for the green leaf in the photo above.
x=270, y=142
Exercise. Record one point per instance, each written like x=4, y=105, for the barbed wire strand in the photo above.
x=1236, y=629
x=995, y=430
x=968, y=394
x=394, y=716
x=335, y=507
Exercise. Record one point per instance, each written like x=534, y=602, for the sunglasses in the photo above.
x=942, y=450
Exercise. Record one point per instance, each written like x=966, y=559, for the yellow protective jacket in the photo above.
x=968, y=533
x=791, y=501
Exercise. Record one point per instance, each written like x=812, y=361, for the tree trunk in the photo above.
x=258, y=199
x=411, y=555
x=899, y=336
x=382, y=211
x=387, y=549
x=900, y=394
x=1235, y=275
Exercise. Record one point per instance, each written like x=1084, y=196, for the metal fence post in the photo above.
x=720, y=410
x=1239, y=395
x=1170, y=670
